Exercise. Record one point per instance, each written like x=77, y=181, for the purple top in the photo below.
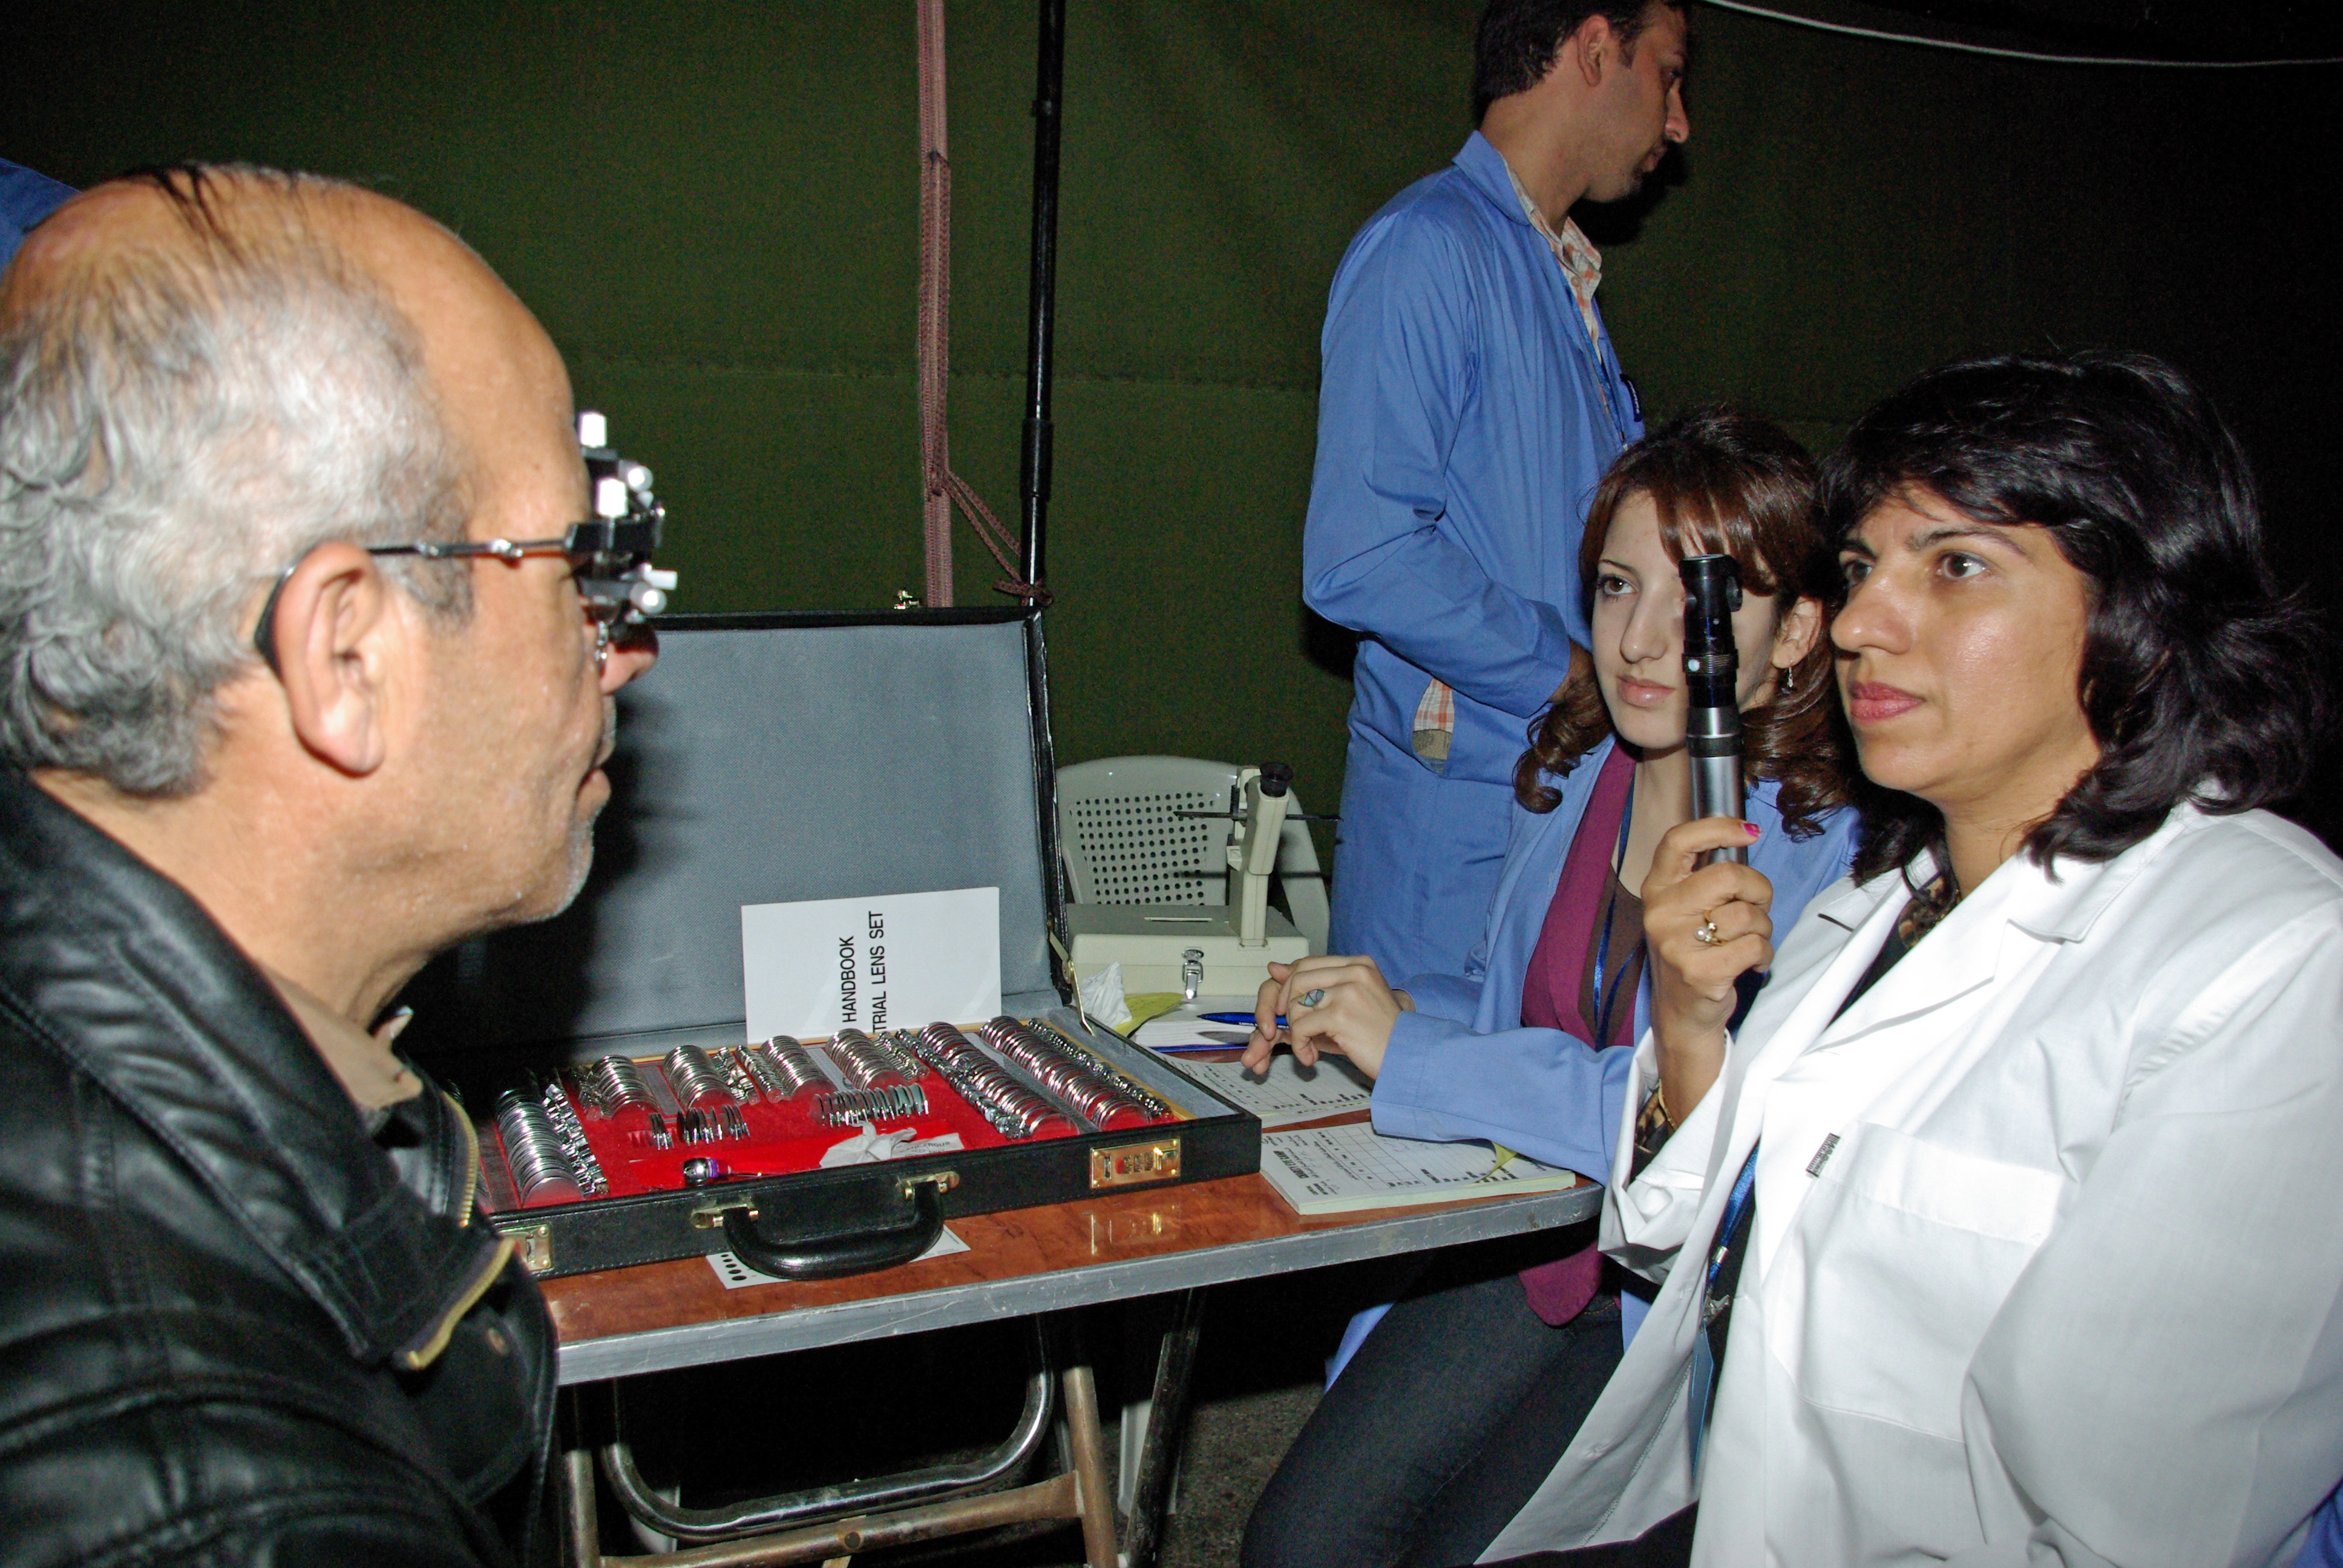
x=1558, y=991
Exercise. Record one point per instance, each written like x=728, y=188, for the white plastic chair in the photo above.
x=1124, y=844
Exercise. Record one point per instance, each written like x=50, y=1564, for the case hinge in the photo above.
x=534, y=1247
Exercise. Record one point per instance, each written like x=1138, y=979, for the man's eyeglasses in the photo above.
x=610, y=552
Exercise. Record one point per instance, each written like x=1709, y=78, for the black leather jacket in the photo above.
x=234, y=1328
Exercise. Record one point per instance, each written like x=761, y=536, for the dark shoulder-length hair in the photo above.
x=1723, y=479
x=2200, y=679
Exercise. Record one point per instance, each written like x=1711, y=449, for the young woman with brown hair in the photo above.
x=1458, y=1402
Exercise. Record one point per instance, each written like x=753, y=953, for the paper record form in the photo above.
x=1329, y=1169
x=1288, y=1092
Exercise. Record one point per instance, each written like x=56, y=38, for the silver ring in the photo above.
x=1706, y=933
x=1310, y=997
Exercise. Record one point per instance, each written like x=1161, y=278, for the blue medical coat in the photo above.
x=1462, y=1066
x=1464, y=422
x=2325, y=1547
x=26, y=198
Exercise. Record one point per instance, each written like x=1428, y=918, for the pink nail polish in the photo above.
x=1751, y=829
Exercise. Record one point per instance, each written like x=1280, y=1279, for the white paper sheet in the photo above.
x=1184, y=1026
x=868, y=1146
x=1289, y=1093
x=1331, y=1170
x=894, y=962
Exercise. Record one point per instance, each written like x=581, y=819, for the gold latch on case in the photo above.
x=943, y=1182
x=534, y=1248
x=712, y=1217
x=1128, y=1164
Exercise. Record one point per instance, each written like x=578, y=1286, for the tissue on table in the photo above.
x=1102, y=997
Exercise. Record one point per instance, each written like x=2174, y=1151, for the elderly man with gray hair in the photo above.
x=277, y=724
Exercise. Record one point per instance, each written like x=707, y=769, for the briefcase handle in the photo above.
x=842, y=1255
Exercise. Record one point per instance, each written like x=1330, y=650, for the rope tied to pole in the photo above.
x=942, y=488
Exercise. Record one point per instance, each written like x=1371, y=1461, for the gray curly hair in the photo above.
x=179, y=425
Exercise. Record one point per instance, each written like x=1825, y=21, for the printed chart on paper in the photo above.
x=1290, y=1092
x=1329, y=1170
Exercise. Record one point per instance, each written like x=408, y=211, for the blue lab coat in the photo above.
x=2325, y=1547
x=26, y=198
x=1462, y=1066
x=1464, y=422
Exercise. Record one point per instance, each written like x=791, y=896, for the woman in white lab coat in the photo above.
x=2009, y=1227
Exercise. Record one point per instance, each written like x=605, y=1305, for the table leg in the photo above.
x=1084, y=1495
x=846, y=1538
x=1088, y=1446
x=872, y=1495
x=573, y=1480
x=1167, y=1420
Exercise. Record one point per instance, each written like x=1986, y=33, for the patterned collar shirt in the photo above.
x=1581, y=263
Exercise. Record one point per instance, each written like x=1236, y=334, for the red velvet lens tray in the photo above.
x=783, y=1140
x=649, y=1212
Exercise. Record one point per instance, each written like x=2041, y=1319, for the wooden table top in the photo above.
x=1099, y=1247
x=1014, y=1242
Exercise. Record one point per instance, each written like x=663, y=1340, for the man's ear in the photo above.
x=1795, y=633
x=334, y=621
x=1593, y=49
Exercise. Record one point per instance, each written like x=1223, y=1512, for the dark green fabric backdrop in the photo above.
x=712, y=204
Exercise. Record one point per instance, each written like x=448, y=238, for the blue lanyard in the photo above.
x=1703, y=1355
x=1606, y=1003
x=1736, y=1203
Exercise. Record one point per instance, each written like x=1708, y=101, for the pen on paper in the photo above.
x=1309, y=999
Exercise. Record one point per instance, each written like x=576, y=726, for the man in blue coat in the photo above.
x=26, y=198
x=1470, y=400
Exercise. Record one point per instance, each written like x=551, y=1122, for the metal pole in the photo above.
x=1167, y=1422
x=1042, y=301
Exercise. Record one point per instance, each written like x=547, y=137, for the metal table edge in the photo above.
x=773, y=1333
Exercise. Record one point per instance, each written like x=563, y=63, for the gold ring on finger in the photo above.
x=1706, y=933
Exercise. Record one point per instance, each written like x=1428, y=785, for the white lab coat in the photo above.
x=2065, y=1289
